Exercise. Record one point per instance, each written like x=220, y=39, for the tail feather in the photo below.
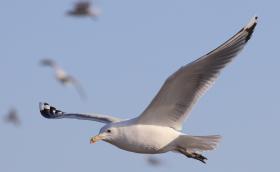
x=198, y=143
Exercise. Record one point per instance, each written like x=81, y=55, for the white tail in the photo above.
x=198, y=143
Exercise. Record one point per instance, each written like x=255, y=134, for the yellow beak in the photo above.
x=96, y=138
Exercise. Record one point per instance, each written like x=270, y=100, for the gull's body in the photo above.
x=134, y=137
x=158, y=128
x=64, y=78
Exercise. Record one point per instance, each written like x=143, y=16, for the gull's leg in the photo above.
x=192, y=155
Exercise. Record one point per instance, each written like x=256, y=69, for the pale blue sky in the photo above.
x=122, y=60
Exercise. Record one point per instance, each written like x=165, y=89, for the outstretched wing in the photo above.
x=51, y=112
x=59, y=72
x=78, y=87
x=182, y=89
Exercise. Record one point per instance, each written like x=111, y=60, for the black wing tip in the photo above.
x=48, y=111
x=250, y=27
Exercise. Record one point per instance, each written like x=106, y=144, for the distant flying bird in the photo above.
x=153, y=161
x=158, y=128
x=12, y=117
x=84, y=8
x=63, y=77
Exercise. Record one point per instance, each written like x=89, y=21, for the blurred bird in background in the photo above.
x=84, y=9
x=154, y=161
x=63, y=77
x=12, y=117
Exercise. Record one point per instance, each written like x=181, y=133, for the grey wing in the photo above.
x=181, y=90
x=52, y=113
x=59, y=72
x=78, y=87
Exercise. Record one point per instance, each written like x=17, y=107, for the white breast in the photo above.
x=145, y=138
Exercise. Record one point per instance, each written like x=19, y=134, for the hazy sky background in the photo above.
x=122, y=60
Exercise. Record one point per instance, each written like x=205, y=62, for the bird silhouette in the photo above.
x=153, y=161
x=64, y=78
x=12, y=117
x=84, y=9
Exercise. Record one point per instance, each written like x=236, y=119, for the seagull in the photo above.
x=159, y=128
x=63, y=77
x=154, y=161
x=12, y=117
x=83, y=8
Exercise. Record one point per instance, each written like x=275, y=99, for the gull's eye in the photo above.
x=109, y=131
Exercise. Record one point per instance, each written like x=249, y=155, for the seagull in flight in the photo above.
x=154, y=161
x=63, y=77
x=83, y=8
x=12, y=117
x=159, y=128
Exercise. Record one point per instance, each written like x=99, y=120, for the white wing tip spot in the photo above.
x=43, y=106
x=252, y=22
